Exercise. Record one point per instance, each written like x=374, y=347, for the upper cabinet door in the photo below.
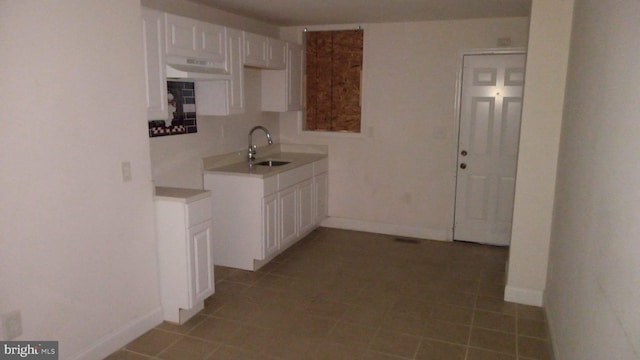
x=153, y=35
x=181, y=36
x=295, y=77
x=212, y=43
x=255, y=50
x=277, y=54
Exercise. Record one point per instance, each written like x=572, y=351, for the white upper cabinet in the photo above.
x=224, y=96
x=156, y=84
x=264, y=52
x=255, y=50
x=282, y=90
x=191, y=38
x=276, y=54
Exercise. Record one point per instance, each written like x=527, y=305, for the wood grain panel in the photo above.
x=334, y=70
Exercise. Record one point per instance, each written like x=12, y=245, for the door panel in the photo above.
x=490, y=110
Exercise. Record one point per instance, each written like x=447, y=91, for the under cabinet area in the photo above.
x=260, y=215
x=185, y=251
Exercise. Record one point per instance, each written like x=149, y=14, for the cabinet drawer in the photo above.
x=321, y=166
x=294, y=176
x=198, y=211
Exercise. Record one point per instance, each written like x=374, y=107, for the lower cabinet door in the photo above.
x=305, y=211
x=321, y=186
x=270, y=242
x=288, y=216
x=201, y=278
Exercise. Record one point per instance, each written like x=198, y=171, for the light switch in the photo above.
x=126, y=171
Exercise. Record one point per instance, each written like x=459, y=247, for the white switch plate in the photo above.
x=126, y=171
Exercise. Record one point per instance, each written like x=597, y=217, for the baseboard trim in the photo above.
x=387, y=229
x=523, y=296
x=120, y=337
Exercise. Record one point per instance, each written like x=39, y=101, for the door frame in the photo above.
x=456, y=122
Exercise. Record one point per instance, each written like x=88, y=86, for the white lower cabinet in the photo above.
x=270, y=225
x=185, y=252
x=257, y=218
x=288, y=214
x=306, y=204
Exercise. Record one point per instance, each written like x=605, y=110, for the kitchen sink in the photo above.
x=272, y=163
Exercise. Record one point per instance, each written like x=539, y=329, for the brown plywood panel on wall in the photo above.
x=333, y=72
x=346, y=72
x=324, y=80
x=311, y=80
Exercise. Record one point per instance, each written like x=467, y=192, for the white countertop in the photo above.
x=244, y=168
x=180, y=194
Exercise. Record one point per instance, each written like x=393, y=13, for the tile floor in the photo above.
x=341, y=294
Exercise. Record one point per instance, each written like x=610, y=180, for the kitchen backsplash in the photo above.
x=182, y=110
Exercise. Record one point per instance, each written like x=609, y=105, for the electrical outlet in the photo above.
x=12, y=324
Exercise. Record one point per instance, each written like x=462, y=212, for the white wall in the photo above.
x=538, y=152
x=593, y=291
x=176, y=160
x=77, y=247
x=399, y=177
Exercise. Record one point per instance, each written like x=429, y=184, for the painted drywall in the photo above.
x=593, y=288
x=399, y=176
x=538, y=152
x=176, y=160
x=77, y=247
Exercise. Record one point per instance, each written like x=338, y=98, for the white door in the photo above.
x=490, y=109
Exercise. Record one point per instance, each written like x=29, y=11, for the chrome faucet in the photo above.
x=252, y=148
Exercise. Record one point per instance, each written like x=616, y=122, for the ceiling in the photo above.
x=323, y=12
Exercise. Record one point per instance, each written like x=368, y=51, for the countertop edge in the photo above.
x=242, y=169
x=182, y=195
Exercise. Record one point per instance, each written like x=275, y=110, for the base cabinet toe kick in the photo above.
x=257, y=218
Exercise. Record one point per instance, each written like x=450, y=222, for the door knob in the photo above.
x=463, y=166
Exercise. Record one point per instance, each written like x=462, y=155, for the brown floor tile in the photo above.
x=533, y=328
x=328, y=350
x=451, y=313
x=153, y=342
x=216, y=329
x=340, y=294
x=126, y=355
x=493, y=340
x=481, y=354
x=495, y=304
x=530, y=312
x=364, y=315
x=323, y=307
x=494, y=321
x=437, y=350
x=534, y=348
x=395, y=343
x=226, y=352
x=189, y=349
x=311, y=326
x=347, y=333
x=446, y=331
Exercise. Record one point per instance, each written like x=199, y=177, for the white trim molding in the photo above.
x=115, y=340
x=387, y=229
x=523, y=296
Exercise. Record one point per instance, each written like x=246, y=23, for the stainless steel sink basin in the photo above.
x=272, y=163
